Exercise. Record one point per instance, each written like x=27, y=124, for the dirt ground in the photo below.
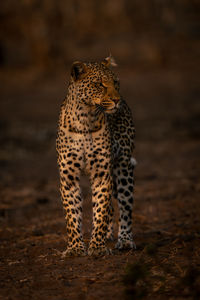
x=166, y=264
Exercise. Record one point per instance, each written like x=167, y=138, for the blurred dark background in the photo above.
x=50, y=34
x=156, y=44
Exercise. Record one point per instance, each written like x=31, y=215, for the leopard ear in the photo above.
x=78, y=70
x=109, y=61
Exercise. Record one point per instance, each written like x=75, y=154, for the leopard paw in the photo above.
x=74, y=251
x=100, y=251
x=124, y=244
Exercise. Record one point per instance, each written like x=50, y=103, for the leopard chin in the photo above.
x=111, y=111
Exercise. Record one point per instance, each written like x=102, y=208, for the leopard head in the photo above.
x=97, y=85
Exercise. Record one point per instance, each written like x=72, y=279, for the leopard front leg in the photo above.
x=70, y=165
x=101, y=197
x=124, y=184
x=101, y=181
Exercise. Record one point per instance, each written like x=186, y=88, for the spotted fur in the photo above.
x=96, y=134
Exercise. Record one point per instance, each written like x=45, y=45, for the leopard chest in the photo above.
x=79, y=117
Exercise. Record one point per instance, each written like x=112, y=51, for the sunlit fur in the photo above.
x=96, y=134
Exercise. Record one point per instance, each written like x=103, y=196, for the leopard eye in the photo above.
x=101, y=84
x=98, y=84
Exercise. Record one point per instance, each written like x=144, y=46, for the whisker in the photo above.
x=99, y=109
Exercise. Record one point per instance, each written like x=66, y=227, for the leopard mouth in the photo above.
x=110, y=105
x=107, y=106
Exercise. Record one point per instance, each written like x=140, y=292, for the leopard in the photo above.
x=96, y=136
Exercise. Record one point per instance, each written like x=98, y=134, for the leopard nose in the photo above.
x=116, y=100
